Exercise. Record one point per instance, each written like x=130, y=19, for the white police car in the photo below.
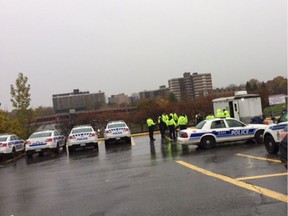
x=10, y=144
x=82, y=136
x=116, y=131
x=208, y=133
x=272, y=136
x=43, y=141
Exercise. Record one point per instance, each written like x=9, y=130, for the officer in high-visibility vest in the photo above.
x=171, y=126
x=226, y=113
x=219, y=113
x=151, y=125
x=182, y=122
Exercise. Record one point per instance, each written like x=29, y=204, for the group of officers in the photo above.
x=172, y=121
x=167, y=122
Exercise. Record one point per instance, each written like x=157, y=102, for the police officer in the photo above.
x=151, y=125
x=171, y=126
x=182, y=122
x=226, y=113
x=162, y=126
x=219, y=113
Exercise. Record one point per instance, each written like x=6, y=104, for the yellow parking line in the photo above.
x=259, y=158
x=260, y=190
x=261, y=176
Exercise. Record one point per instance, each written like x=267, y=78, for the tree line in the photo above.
x=20, y=120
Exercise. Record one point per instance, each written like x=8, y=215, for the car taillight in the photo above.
x=107, y=131
x=71, y=137
x=184, y=135
x=4, y=144
x=49, y=140
x=126, y=129
x=27, y=142
x=92, y=135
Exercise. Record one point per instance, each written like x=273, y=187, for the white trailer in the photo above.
x=241, y=106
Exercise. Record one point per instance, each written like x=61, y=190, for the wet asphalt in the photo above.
x=141, y=179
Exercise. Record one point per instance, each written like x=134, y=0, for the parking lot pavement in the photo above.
x=240, y=181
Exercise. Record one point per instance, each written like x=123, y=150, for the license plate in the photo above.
x=118, y=138
x=83, y=144
x=37, y=150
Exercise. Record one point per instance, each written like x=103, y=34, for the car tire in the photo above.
x=95, y=146
x=56, y=150
x=270, y=145
x=207, y=142
x=258, y=136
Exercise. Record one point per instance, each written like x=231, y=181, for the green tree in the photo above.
x=20, y=98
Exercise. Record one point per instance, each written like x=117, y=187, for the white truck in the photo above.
x=241, y=106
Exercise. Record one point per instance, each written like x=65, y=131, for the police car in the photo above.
x=82, y=136
x=43, y=141
x=272, y=136
x=10, y=144
x=208, y=133
x=117, y=131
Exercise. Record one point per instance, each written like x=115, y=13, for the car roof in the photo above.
x=6, y=134
x=116, y=122
x=81, y=126
x=44, y=131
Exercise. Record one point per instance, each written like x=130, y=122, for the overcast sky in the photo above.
x=127, y=46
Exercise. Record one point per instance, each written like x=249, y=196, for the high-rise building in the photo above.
x=191, y=86
x=77, y=101
x=163, y=91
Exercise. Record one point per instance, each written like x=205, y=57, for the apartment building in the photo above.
x=163, y=91
x=191, y=86
x=77, y=101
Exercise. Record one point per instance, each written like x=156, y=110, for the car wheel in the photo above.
x=56, y=150
x=270, y=145
x=258, y=136
x=13, y=153
x=207, y=142
x=95, y=146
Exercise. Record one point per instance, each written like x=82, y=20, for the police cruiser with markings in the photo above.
x=117, y=131
x=10, y=144
x=208, y=133
x=82, y=136
x=43, y=141
x=272, y=136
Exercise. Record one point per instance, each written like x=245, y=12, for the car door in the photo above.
x=238, y=130
x=220, y=130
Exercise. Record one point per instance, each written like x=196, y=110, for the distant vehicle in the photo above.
x=116, y=131
x=242, y=106
x=43, y=141
x=11, y=144
x=82, y=136
x=272, y=135
x=219, y=130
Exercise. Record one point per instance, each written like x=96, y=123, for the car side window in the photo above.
x=234, y=123
x=56, y=133
x=218, y=124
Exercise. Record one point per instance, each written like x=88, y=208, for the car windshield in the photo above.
x=39, y=135
x=283, y=118
x=200, y=125
x=116, y=125
x=3, y=139
x=81, y=130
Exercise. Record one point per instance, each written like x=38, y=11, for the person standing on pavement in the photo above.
x=171, y=126
x=151, y=125
x=182, y=122
x=162, y=126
